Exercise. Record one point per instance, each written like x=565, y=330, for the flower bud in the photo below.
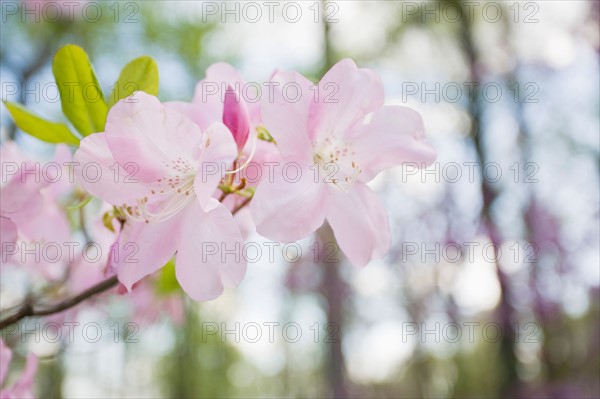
x=236, y=117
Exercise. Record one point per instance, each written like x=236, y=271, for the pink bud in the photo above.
x=236, y=117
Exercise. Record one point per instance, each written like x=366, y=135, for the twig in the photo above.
x=27, y=309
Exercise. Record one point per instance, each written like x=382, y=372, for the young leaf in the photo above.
x=140, y=74
x=167, y=281
x=36, y=126
x=80, y=94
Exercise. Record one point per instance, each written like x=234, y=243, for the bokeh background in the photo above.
x=509, y=92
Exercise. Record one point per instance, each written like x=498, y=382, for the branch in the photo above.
x=27, y=309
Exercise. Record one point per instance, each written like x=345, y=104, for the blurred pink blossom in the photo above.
x=22, y=388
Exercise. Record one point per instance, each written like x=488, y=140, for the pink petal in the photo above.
x=203, y=267
x=146, y=132
x=23, y=388
x=5, y=357
x=10, y=152
x=95, y=171
x=207, y=104
x=236, y=117
x=27, y=378
x=209, y=94
x=346, y=95
x=49, y=225
x=60, y=185
x=288, y=210
x=144, y=248
x=8, y=233
x=360, y=224
x=201, y=116
x=394, y=136
x=286, y=115
x=22, y=192
x=223, y=72
x=218, y=153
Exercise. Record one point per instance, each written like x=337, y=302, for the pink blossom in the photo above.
x=163, y=160
x=85, y=272
x=149, y=304
x=29, y=198
x=236, y=117
x=221, y=97
x=5, y=357
x=210, y=98
x=339, y=150
x=22, y=388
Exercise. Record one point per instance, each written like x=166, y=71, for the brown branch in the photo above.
x=27, y=309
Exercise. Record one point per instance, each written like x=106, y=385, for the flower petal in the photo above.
x=197, y=114
x=203, y=267
x=8, y=231
x=22, y=388
x=5, y=357
x=210, y=92
x=360, y=224
x=49, y=225
x=236, y=117
x=97, y=172
x=211, y=89
x=218, y=153
x=142, y=130
x=143, y=248
x=286, y=115
x=346, y=95
x=22, y=192
x=394, y=136
x=60, y=183
x=288, y=210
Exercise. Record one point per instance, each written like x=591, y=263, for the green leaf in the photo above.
x=80, y=93
x=167, y=281
x=39, y=127
x=139, y=74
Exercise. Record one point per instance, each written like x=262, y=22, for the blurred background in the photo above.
x=491, y=288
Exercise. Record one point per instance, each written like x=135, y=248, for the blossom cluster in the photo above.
x=181, y=174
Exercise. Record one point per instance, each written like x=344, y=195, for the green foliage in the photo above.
x=80, y=93
x=198, y=366
x=39, y=127
x=139, y=74
x=167, y=282
x=81, y=96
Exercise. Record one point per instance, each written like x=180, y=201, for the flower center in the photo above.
x=168, y=195
x=336, y=163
